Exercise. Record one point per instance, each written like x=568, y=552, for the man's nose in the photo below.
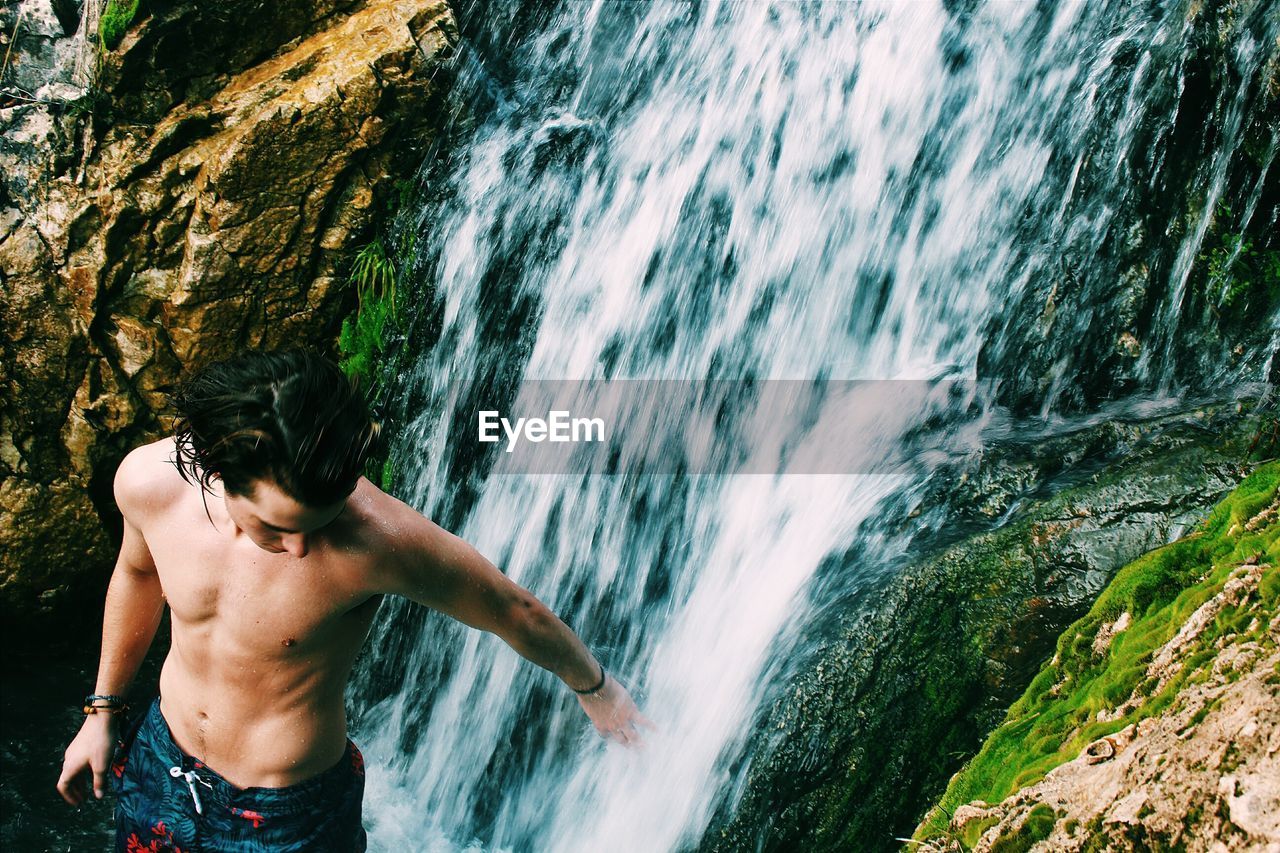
x=295, y=544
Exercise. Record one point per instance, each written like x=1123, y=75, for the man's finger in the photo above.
x=68, y=790
x=646, y=722
x=99, y=784
x=637, y=739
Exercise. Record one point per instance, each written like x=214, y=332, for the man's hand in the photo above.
x=92, y=751
x=614, y=714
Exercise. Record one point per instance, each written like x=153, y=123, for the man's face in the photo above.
x=276, y=522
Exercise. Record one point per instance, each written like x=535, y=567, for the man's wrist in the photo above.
x=109, y=721
x=594, y=688
x=104, y=704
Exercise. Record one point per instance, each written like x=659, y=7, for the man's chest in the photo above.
x=260, y=600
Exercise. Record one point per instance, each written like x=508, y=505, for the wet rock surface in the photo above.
x=1171, y=220
x=40, y=699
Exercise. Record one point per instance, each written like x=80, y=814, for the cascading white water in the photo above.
x=724, y=190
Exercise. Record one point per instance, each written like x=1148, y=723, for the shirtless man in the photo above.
x=254, y=526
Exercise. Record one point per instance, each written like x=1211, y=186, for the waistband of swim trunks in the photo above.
x=292, y=799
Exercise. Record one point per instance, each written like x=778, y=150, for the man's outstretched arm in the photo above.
x=132, y=614
x=443, y=572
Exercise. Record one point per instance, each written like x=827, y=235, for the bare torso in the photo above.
x=263, y=643
x=271, y=600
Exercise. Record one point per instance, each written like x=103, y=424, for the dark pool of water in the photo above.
x=40, y=700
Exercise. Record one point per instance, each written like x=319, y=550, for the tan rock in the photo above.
x=1169, y=658
x=1253, y=802
x=968, y=813
x=1102, y=641
x=72, y=566
x=1214, y=785
x=217, y=211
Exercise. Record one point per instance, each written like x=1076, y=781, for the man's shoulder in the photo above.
x=381, y=515
x=147, y=478
x=390, y=529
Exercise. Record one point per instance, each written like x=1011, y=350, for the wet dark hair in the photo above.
x=289, y=416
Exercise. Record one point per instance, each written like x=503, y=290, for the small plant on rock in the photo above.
x=114, y=21
x=363, y=337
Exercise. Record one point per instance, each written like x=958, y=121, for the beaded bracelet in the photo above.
x=114, y=704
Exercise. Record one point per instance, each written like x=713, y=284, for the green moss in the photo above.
x=387, y=474
x=114, y=21
x=901, y=698
x=1193, y=817
x=363, y=340
x=973, y=831
x=1095, y=841
x=1058, y=714
x=1036, y=827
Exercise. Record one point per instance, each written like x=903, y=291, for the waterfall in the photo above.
x=748, y=190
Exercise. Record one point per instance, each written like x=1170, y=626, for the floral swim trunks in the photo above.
x=168, y=802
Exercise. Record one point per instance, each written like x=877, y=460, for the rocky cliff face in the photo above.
x=1157, y=724
x=204, y=193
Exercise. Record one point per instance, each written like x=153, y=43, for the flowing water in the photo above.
x=741, y=191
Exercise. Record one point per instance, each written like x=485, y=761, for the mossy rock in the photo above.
x=865, y=737
x=1058, y=715
x=1035, y=827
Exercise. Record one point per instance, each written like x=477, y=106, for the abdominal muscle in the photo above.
x=255, y=719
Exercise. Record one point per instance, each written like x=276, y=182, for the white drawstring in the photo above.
x=191, y=778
